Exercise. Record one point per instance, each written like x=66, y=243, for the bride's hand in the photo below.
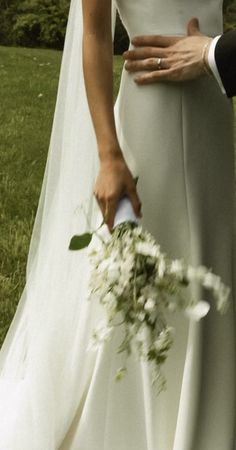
x=114, y=182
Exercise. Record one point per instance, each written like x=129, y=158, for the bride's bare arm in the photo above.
x=114, y=178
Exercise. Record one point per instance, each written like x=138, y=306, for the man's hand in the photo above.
x=167, y=58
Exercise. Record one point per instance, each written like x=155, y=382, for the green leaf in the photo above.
x=120, y=373
x=81, y=241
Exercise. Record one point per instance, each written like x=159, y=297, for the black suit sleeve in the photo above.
x=225, y=56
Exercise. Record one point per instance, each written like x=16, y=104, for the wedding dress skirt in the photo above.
x=56, y=393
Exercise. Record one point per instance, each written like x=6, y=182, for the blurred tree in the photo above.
x=229, y=14
x=227, y=3
x=34, y=22
x=121, y=41
x=43, y=23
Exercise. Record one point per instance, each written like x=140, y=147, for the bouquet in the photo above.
x=138, y=284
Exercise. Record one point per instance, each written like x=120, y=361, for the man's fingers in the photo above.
x=144, y=52
x=153, y=77
x=193, y=27
x=145, y=64
x=154, y=41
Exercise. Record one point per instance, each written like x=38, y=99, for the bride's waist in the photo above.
x=179, y=29
x=161, y=19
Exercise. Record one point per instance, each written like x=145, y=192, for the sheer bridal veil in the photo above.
x=44, y=352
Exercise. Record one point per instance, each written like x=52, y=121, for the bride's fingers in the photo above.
x=102, y=206
x=135, y=201
x=110, y=212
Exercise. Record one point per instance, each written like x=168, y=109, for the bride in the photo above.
x=56, y=393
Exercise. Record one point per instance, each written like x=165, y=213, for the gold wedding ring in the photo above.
x=158, y=63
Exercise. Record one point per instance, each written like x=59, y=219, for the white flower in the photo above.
x=198, y=311
x=128, y=263
x=104, y=265
x=177, y=267
x=172, y=306
x=166, y=337
x=141, y=300
x=118, y=289
x=212, y=281
x=161, y=268
x=153, y=315
x=201, y=271
x=191, y=273
x=133, y=329
x=110, y=301
x=124, y=278
x=149, y=291
x=164, y=340
x=146, y=248
x=158, y=345
x=209, y=280
x=109, y=298
x=150, y=305
x=113, y=274
x=115, y=255
x=196, y=273
x=141, y=316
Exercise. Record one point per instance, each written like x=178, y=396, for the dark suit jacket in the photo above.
x=225, y=56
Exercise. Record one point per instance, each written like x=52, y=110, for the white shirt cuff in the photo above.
x=212, y=62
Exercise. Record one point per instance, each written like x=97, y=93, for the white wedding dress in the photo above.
x=55, y=392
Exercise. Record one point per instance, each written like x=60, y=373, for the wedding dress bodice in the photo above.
x=170, y=16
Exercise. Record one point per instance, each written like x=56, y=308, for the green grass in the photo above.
x=28, y=85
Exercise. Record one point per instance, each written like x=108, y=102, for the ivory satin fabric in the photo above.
x=55, y=393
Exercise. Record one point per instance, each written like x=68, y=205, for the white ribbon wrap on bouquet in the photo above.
x=125, y=212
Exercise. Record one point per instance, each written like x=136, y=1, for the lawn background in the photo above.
x=29, y=79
